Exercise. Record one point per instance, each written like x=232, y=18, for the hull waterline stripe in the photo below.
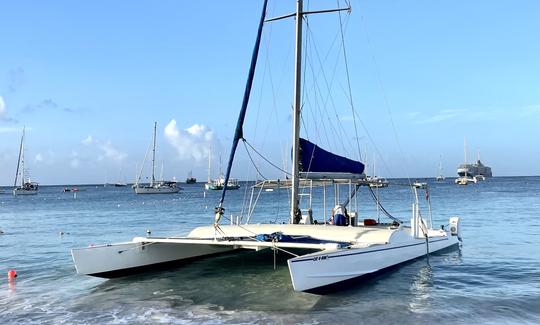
x=373, y=251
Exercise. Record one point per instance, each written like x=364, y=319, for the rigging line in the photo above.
x=253, y=162
x=381, y=207
x=315, y=88
x=349, y=82
x=329, y=96
x=264, y=158
x=386, y=103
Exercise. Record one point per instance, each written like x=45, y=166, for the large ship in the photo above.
x=474, y=170
x=477, y=170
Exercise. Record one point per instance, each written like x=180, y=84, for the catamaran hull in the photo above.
x=145, y=190
x=321, y=270
x=111, y=261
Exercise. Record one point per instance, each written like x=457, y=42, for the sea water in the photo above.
x=493, y=279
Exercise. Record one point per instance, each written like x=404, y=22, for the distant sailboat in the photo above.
x=155, y=187
x=218, y=183
x=26, y=187
x=440, y=176
x=121, y=182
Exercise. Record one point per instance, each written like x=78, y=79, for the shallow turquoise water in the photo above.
x=494, y=278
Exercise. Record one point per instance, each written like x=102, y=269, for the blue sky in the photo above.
x=89, y=79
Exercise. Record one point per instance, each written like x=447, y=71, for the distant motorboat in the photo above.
x=218, y=184
x=377, y=182
x=27, y=187
x=479, y=178
x=155, y=187
x=190, y=179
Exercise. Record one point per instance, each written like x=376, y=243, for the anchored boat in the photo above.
x=324, y=250
x=155, y=187
x=27, y=187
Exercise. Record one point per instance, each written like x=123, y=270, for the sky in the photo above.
x=89, y=79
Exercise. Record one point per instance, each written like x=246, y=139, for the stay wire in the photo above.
x=264, y=158
x=349, y=82
x=252, y=161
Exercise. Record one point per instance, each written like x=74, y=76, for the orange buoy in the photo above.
x=12, y=274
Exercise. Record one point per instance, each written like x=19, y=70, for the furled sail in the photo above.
x=314, y=159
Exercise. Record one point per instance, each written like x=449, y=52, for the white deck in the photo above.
x=352, y=235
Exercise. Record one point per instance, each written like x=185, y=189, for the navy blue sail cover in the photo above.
x=317, y=160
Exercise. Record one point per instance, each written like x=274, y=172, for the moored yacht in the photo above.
x=155, y=187
x=26, y=187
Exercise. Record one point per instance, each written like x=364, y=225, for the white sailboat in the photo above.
x=466, y=176
x=335, y=253
x=217, y=184
x=155, y=187
x=440, y=176
x=26, y=187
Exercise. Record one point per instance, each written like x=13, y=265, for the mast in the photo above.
x=238, y=132
x=209, y=162
x=296, y=114
x=21, y=149
x=154, y=155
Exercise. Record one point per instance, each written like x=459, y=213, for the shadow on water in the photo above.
x=248, y=276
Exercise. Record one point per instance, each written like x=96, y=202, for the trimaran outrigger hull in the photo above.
x=374, y=249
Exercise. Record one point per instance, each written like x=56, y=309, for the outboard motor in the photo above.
x=454, y=227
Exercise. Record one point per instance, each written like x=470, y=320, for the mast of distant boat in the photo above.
x=21, y=158
x=209, y=165
x=154, y=156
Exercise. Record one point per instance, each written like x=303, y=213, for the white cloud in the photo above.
x=88, y=140
x=444, y=115
x=9, y=130
x=192, y=143
x=111, y=152
x=2, y=106
x=39, y=157
x=107, y=151
x=74, y=163
x=529, y=110
x=3, y=111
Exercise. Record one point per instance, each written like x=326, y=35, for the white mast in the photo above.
x=22, y=158
x=154, y=156
x=296, y=113
x=209, y=165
